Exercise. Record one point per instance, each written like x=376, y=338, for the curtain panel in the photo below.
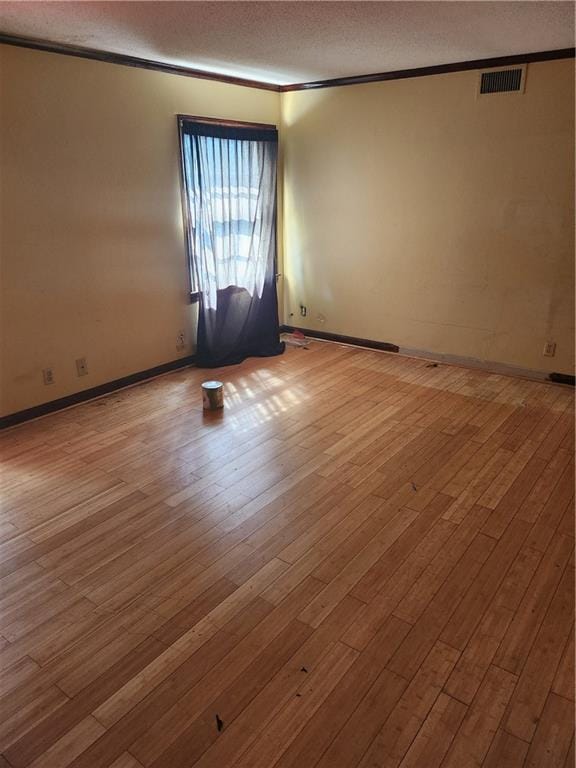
x=229, y=176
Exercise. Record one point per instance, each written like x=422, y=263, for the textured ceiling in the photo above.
x=291, y=42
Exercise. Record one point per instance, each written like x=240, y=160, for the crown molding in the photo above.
x=440, y=69
x=131, y=61
x=175, y=69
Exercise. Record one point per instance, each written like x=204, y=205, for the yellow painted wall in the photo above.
x=91, y=240
x=419, y=214
x=415, y=213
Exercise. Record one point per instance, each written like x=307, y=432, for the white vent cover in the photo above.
x=502, y=80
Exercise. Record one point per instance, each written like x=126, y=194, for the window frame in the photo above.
x=182, y=121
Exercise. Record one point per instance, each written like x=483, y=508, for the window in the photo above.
x=229, y=203
x=229, y=181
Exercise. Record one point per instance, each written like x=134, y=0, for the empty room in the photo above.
x=287, y=384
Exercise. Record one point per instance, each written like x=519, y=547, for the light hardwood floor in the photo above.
x=364, y=561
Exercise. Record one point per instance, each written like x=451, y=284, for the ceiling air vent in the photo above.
x=509, y=80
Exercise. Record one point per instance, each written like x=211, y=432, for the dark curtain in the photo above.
x=230, y=184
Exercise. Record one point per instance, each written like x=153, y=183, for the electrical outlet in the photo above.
x=81, y=367
x=549, y=349
x=180, y=343
x=303, y=310
x=48, y=376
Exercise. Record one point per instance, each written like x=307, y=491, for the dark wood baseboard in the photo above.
x=90, y=394
x=557, y=378
x=19, y=417
x=353, y=340
x=563, y=378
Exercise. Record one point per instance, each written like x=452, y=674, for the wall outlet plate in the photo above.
x=48, y=376
x=180, y=340
x=549, y=349
x=81, y=366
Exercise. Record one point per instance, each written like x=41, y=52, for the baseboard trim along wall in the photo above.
x=44, y=409
x=504, y=369
x=563, y=378
x=94, y=392
x=352, y=340
x=466, y=362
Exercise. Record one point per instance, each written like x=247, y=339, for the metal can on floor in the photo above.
x=212, y=395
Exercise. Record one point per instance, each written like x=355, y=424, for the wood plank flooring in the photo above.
x=365, y=560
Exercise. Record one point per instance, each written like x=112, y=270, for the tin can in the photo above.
x=212, y=395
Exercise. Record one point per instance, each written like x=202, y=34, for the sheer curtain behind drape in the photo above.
x=230, y=185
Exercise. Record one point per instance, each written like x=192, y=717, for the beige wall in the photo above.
x=415, y=213
x=92, y=250
x=419, y=214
